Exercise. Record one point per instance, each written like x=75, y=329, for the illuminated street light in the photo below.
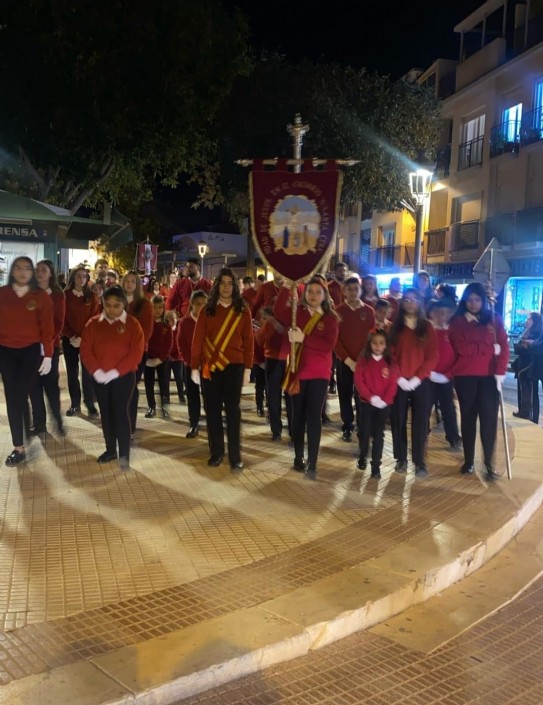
x=203, y=249
x=419, y=183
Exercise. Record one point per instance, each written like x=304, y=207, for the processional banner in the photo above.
x=147, y=257
x=294, y=217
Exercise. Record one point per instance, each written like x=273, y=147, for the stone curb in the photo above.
x=190, y=661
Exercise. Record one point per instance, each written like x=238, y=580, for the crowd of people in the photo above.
x=389, y=358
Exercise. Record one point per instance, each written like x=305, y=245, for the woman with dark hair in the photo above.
x=422, y=284
x=446, y=291
x=524, y=368
x=139, y=306
x=81, y=306
x=315, y=335
x=111, y=349
x=221, y=361
x=46, y=278
x=415, y=350
x=482, y=353
x=370, y=293
x=26, y=315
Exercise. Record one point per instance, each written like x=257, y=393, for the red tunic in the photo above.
x=240, y=346
x=27, y=319
x=335, y=290
x=414, y=357
x=175, y=354
x=59, y=306
x=142, y=310
x=394, y=306
x=376, y=378
x=179, y=297
x=112, y=346
x=160, y=342
x=78, y=312
x=249, y=295
x=271, y=342
x=473, y=344
x=354, y=327
x=185, y=333
x=316, y=358
x=446, y=356
x=265, y=296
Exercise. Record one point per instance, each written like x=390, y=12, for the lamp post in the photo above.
x=419, y=183
x=203, y=249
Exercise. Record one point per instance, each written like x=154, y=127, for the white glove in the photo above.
x=110, y=376
x=195, y=377
x=438, y=378
x=153, y=362
x=296, y=335
x=75, y=341
x=377, y=402
x=99, y=376
x=497, y=348
x=404, y=384
x=499, y=381
x=414, y=382
x=45, y=366
x=246, y=377
x=351, y=364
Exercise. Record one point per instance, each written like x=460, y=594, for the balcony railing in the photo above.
x=470, y=153
x=505, y=138
x=435, y=242
x=465, y=235
x=531, y=129
x=393, y=257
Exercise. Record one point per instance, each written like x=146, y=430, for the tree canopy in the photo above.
x=351, y=113
x=103, y=96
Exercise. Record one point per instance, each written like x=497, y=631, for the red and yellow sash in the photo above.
x=291, y=384
x=215, y=358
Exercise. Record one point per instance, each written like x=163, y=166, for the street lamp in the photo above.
x=419, y=183
x=203, y=249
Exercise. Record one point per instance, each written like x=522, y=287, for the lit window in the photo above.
x=538, y=106
x=511, y=122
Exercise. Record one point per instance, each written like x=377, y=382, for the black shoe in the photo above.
x=236, y=467
x=421, y=471
x=456, y=444
x=325, y=419
x=73, y=411
x=401, y=466
x=92, y=410
x=106, y=457
x=165, y=400
x=332, y=389
x=467, y=469
x=347, y=436
x=299, y=465
x=36, y=430
x=376, y=474
x=182, y=399
x=518, y=415
x=491, y=474
x=60, y=426
x=260, y=412
x=276, y=437
x=362, y=463
x=15, y=457
x=165, y=413
x=151, y=413
x=215, y=462
x=194, y=431
x=310, y=475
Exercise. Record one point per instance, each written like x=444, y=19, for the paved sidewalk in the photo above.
x=94, y=559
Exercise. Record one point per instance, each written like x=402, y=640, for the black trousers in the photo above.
x=136, y=394
x=442, y=394
x=525, y=392
x=18, y=367
x=307, y=417
x=372, y=425
x=224, y=389
x=114, y=402
x=260, y=385
x=345, y=390
x=178, y=369
x=478, y=399
x=71, y=360
x=535, y=398
x=194, y=403
x=275, y=373
x=149, y=381
x=420, y=402
x=48, y=384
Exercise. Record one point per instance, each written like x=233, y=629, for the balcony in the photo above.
x=531, y=128
x=435, y=242
x=464, y=235
x=470, y=153
x=392, y=258
x=505, y=138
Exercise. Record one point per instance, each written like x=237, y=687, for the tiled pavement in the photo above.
x=93, y=559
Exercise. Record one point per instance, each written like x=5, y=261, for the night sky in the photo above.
x=388, y=37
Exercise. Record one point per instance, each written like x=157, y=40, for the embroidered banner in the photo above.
x=294, y=218
x=147, y=257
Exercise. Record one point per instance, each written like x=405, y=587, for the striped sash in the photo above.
x=215, y=358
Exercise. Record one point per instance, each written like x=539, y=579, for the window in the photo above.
x=511, y=123
x=388, y=233
x=473, y=129
x=470, y=151
x=538, y=106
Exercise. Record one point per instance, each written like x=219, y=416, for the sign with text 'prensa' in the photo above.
x=294, y=217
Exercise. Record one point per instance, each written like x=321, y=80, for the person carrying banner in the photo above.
x=315, y=336
x=221, y=360
x=356, y=319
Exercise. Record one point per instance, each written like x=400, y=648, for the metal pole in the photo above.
x=418, y=238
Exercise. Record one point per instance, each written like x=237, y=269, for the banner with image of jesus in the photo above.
x=294, y=218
